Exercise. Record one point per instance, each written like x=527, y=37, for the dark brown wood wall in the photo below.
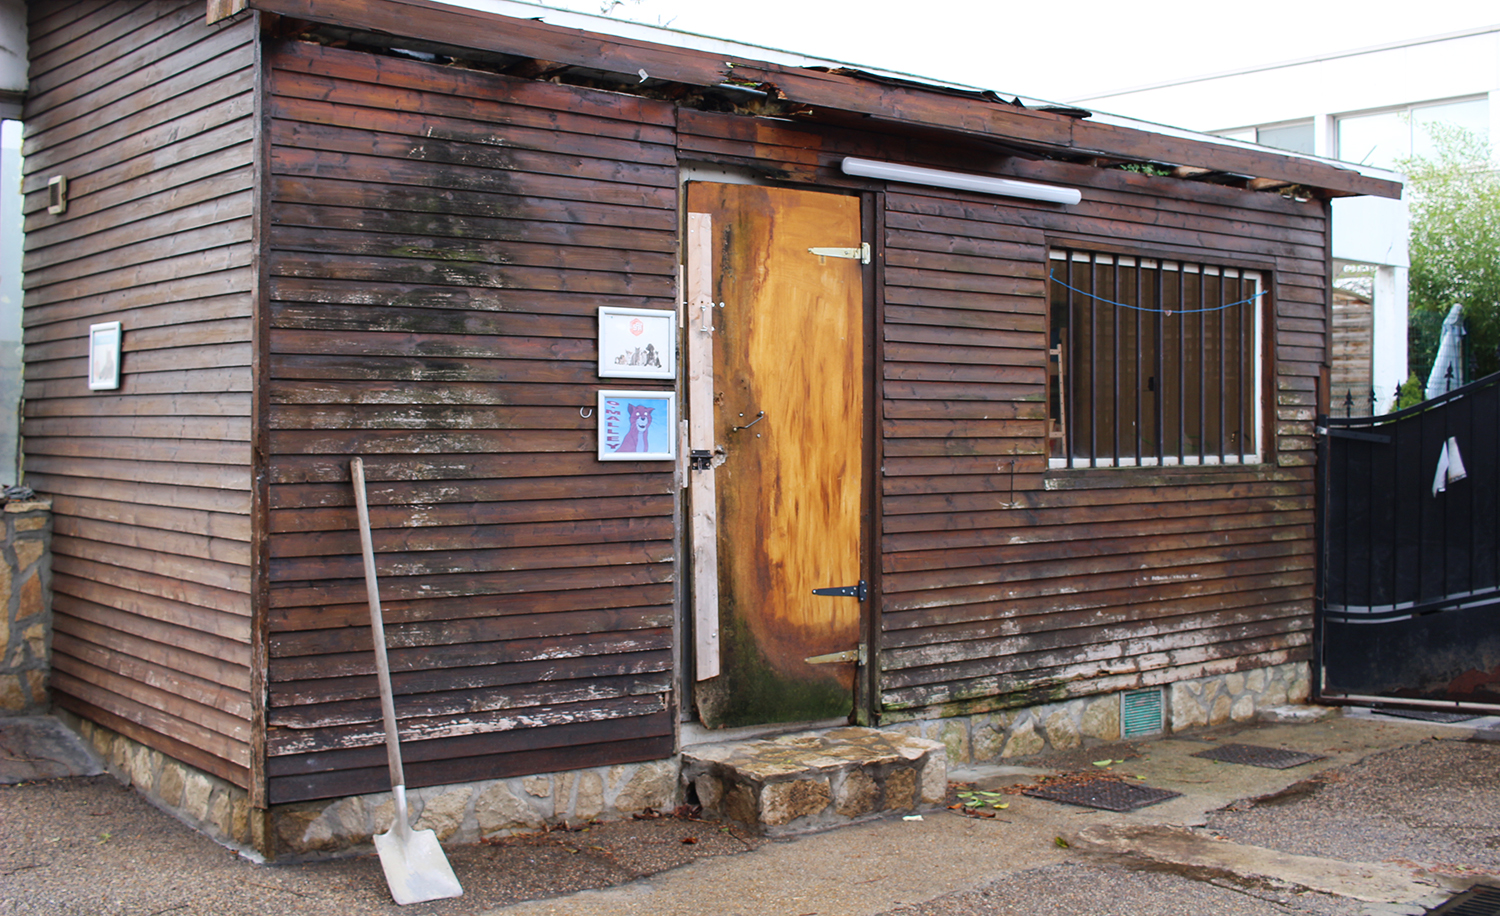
x=1001, y=590
x=148, y=114
x=1002, y=581
x=441, y=239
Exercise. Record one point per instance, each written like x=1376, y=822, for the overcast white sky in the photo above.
x=1059, y=50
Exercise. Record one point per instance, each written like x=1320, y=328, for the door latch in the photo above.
x=860, y=591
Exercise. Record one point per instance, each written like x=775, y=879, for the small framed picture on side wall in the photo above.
x=637, y=425
x=104, y=356
x=637, y=343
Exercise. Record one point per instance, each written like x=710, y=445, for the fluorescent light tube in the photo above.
x=959, y=181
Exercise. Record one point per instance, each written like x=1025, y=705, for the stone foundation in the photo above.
x=1033, y=731
x=460, y=813
x=25, y=607
x=470, y=812
x=210, y=804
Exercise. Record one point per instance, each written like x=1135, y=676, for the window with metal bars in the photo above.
x=1153, y=362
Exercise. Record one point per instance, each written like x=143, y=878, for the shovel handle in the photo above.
x=377, y=627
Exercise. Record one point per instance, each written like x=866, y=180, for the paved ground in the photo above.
x=1414, y=807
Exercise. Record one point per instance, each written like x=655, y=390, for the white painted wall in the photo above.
x=11, y=243
x=1452, y=66
x=1432, y=69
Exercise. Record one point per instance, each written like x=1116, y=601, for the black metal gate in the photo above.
x=1408, y=602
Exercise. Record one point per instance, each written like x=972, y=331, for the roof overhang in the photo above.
x=422, y=25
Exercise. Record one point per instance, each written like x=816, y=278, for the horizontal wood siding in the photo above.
x=441, y=239
x=1353, y=380
x=1006, y=582
x=148, y=114
x=1002, y=581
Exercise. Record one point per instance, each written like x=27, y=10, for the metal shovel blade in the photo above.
x=415, y=868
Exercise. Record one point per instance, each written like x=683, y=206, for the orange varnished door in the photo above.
x=788, y=391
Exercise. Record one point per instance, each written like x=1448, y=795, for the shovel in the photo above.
x=415, y=868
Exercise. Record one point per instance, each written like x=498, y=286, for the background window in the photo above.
x=1153, y=362
x=1295, y=138
x=1385, y=137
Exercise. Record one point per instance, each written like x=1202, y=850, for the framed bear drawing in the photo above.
x=637, y=425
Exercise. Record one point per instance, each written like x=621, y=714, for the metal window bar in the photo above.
x=1071, y=408
x=1202, y=367
x=1159, y=369
x=1223, y=376
x=1114, y=361
x=1182, y=389
x=1093, y=361
x=1139, y=398
x=1246, y=373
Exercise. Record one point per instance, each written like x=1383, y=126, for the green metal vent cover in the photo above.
x=1140, y=713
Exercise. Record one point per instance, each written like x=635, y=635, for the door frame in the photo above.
x=865, y=702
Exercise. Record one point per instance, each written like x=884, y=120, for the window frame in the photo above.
x=1059, y=391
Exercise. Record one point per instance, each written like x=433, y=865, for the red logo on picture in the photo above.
x=637, y=327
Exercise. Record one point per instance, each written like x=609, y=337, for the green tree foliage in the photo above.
x=1412, y=391
x=1455, y=247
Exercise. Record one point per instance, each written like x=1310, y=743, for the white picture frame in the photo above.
x=637, y=425
x=104, y=356
x=637, y=343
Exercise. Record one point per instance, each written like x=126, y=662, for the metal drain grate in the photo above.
x=1480, y=900
x=1273, y=758
x=1103, y=793
x=1426, y=715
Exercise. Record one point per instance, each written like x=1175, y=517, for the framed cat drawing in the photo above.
x=637, y=425
x=637, y=343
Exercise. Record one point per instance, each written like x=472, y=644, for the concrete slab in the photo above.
x=877, y=867
x=1372, y=882
x=41, y=747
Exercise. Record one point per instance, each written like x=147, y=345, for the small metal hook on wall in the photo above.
x=585, y=412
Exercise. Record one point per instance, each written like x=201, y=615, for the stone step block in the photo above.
x=815, y=780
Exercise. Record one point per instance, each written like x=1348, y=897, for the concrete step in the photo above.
x=815, y=780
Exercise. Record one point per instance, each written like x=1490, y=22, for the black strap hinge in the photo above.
x=860, y=591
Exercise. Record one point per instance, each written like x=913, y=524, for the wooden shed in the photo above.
x=1040, y=412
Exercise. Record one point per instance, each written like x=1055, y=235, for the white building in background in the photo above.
x=12, y=93
x=1368, y=106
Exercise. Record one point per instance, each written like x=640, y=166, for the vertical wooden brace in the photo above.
x=223, y=9
x=700, y=392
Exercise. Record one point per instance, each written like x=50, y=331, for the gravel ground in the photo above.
x=1074, y=889
x=1435, y=804
x=92, y=847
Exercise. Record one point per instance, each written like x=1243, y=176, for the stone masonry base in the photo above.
x=460, y=813
x=470, y=812
x=25, y=618
x=1036, y=730
x=815, y=780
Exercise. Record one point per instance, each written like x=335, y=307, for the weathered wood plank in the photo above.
x=463, y=607
x=494, y=755
x=288, y=695
x=428, y=658
x=472, y=584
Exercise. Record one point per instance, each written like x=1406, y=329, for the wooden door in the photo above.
x=789, y=414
